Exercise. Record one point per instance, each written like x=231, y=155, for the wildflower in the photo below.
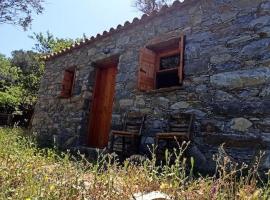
x=256, y=194
x=165, y=186
x=52, y=187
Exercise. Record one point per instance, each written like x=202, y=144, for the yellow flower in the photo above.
x=52, y=187
x=165, y=186
x=256, y=195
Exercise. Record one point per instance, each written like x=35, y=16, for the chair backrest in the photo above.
x=134, y=122
x=181, y=123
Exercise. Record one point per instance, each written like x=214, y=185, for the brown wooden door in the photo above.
x=101, y=112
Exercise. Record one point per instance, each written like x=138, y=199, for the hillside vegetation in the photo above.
x=27, y=172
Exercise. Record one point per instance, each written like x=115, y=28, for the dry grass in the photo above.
x=27, y=172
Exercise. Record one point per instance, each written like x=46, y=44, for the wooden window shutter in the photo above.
x=146, y=73
x=67, y=83
x=181, y=64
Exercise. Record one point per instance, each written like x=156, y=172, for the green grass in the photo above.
x=27, y=172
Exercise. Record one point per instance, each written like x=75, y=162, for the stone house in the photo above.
x=222, y=52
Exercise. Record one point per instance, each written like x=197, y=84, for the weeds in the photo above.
x=27, y=172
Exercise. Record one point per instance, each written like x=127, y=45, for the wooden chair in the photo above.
x=179, y=128
x=6, y=119
x=130, y=133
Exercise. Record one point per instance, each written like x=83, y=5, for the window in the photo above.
x=161, y=66
x=68, y=82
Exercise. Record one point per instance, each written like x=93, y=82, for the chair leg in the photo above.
x=156, y=145
x=132, y=144
x=138, y=143
x=135, y=144
x=112, y=143
x=123, y=145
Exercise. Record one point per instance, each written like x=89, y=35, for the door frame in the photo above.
x=99, y=65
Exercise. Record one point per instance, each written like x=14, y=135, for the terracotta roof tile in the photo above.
x=126, y=25
x=135, y=20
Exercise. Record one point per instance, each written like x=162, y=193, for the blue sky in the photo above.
x=69, y=19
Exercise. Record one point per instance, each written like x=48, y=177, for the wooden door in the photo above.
x=101, y=112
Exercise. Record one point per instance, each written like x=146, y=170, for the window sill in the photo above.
x=162, y=90
x=170, y=70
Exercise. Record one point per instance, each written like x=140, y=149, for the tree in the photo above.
x=11, y=98
x=11, y=91
x=31, y=67
x=148, y=6
x=8, y=73
x=19, y=80
x=19, y=12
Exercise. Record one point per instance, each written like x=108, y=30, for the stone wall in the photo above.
x=226, y=85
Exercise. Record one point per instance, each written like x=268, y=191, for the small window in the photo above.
x=67, y=83
x=161, y=67
x=168, y=64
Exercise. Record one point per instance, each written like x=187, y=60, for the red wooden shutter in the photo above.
x=146, y=74
x=67, y=83
x=181, y=65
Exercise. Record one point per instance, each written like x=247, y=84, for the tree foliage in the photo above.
x=31, y=67
x=11, y=98
x=148, y=6
x=19, y=12
x=8, y=73
x=19, y=80
x=47, y=43
x=10, y=90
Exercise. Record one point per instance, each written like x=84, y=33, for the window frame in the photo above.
x=73, y=71
x=163, y=49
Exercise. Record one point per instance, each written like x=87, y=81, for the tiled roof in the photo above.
x=119, y=28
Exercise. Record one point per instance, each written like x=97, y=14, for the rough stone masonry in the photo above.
x=226, y=85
